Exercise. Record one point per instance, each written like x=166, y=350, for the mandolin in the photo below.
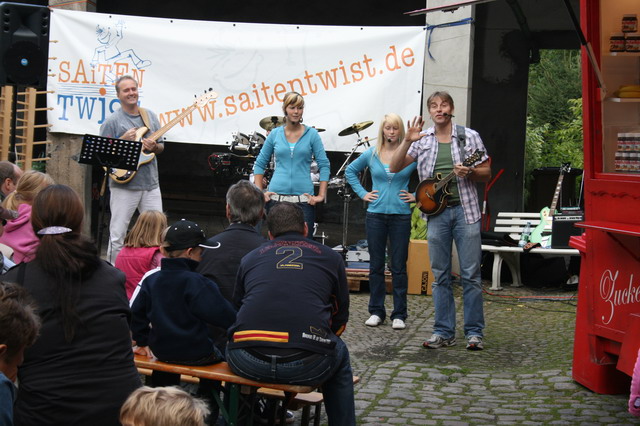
x=432, y=194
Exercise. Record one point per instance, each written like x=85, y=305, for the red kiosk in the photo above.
x=607, y=334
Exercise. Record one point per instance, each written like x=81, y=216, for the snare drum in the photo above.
x=336, y=182
x=240, y=144
x=256, y=140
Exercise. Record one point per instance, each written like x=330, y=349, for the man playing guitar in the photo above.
x=441, y=150
x=142, y=191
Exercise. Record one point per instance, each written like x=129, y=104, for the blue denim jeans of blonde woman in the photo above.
x=442, y=230
x=332, y=371
x=396, y=229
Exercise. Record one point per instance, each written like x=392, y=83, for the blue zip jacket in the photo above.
x=387, y=185
x=292, y=174
x=179, y=303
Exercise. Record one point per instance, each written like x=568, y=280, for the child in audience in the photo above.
x=19, y=326
x=164, y=406
x=141, y=251
x=175, y=305
x=18, y=233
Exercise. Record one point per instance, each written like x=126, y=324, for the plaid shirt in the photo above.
x=425, y=152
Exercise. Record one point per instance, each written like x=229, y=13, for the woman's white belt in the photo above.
x=290, y=198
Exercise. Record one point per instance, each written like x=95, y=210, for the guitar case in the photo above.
x=495, y=239
x=537, y=271
x=498, y=239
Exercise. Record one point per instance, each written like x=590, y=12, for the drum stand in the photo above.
x=346, y=193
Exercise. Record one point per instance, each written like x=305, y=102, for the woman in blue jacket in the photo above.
x=294, y=146
x=388, y=218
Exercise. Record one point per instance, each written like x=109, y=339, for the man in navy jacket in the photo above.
x=293, y=303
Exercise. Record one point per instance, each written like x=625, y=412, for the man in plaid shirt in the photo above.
x=440, y=150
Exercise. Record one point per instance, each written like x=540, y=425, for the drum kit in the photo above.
x=244, y=148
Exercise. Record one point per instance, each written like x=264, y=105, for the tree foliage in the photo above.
x=554, y=80
x=554, y=118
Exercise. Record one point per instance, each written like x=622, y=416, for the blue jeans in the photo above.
x=448, y=226
x=332, y=371
x=308, y=210
x=397, y=229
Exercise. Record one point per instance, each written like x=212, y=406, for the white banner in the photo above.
x=346, y=74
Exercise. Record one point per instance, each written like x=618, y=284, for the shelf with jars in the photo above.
x=620, y=64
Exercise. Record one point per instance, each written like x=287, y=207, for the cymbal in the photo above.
x=355, y=128
x=271, y=122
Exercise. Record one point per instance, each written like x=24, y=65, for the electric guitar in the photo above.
x=432, y=194
x=546, y=214
x=123, y=175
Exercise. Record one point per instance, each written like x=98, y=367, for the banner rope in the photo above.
x=430, y=29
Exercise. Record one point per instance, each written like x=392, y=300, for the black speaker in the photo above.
x=562, y=228
x=24, y=44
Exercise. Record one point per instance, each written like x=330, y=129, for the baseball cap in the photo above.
x=185, y=234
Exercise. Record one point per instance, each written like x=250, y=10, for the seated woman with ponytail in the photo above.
x=80, y=369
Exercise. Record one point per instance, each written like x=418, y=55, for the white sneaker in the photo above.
x=398, y=324
x=373, y=321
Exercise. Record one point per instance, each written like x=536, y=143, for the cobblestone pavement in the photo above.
x=522, y=377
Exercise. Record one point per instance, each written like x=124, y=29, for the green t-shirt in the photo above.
x=444, y=166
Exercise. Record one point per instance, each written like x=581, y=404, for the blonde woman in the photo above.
x=294, y=146
x=18, y=233
x=388, y=219
x=141, y=252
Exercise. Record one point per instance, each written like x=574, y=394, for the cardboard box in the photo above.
x=419, y=271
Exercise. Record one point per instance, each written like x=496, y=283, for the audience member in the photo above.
x=80, y=370
x=294, y=303
x=9, y=176
x=163, y=406
x=245, y=208
x=141, y=251
x=19, y=326
x=18, y=233
x=174, y=306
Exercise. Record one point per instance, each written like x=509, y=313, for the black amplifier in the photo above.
x=562, y=227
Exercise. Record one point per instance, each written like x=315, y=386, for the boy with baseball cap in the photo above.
x=174, y=306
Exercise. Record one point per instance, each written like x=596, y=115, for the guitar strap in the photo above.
x=462, y=138
x=145, y=117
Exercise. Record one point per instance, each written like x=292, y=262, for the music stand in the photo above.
x=108, y=153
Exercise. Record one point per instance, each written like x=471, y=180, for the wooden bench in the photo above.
x=238, y=389
x=513, y=224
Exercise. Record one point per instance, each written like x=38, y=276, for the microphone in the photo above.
x=444, y=114
x=389, y=140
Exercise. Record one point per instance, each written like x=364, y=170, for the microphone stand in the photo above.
x=346, y=194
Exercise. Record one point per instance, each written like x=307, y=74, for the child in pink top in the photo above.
x=141, y=251
x=18, y=233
